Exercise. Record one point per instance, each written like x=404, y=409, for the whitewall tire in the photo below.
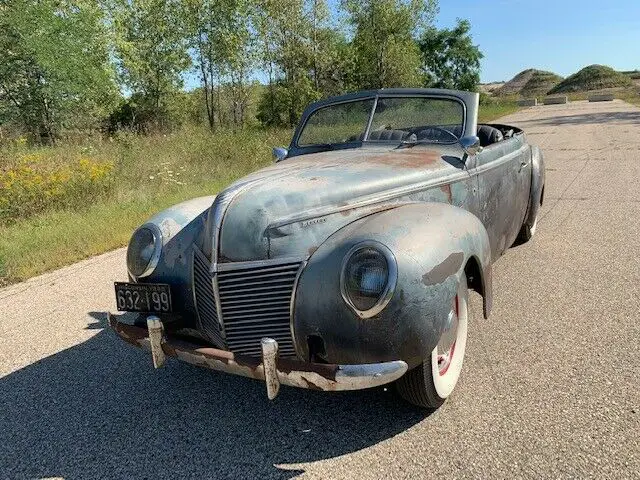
x=431, y=383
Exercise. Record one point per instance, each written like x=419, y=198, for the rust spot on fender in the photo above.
x=312, y=250
x=442, y=271
x=447, y=191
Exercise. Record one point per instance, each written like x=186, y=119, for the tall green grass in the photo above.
x=148, y=175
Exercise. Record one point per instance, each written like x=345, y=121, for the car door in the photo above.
x=503, y=175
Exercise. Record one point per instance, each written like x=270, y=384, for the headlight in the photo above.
x=369, y=275
x=143, y=252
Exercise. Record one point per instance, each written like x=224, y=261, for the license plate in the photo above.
x=143, y=297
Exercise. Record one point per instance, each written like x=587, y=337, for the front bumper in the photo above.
x=271, y=369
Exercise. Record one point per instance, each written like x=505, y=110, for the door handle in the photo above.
x=523, y=164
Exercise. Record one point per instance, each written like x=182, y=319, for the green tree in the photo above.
x=152, y=53
x=449, y=57
x=287, y=55
x=55, y=73
x=223, y=46
x=303, y=53
x=384, y=40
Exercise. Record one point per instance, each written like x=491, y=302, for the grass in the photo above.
x=148, y=175
x=492, y=108
x=135, y=177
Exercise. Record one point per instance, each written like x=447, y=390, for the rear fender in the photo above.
x=537, y=185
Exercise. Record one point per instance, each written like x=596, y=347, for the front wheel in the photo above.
x=428, y=385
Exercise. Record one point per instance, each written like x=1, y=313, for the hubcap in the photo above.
x=447, y=344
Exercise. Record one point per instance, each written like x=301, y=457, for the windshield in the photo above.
x=395, y=119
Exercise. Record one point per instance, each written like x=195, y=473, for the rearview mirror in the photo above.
x=280, y=153
x=470, y=144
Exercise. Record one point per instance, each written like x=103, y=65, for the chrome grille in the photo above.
x=255, y=303
x=205, y=300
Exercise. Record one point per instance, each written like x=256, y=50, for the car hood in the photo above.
x=290, y=208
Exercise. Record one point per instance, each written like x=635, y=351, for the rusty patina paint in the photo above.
x=415, y=157
x=446, y=189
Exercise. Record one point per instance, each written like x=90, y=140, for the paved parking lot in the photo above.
x=550, y=386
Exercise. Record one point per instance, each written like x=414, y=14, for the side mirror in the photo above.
x=470, y=144
x=280, y=153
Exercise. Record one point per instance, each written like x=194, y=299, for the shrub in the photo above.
x=36, y=183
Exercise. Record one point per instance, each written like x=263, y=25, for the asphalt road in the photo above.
x=550, y=385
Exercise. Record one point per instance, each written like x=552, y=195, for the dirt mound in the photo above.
x=593, y=77
x=530, y=82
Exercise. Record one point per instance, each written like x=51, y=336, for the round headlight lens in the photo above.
x=366, y=277
x=142, y=251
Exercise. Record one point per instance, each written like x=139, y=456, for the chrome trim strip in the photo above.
x=227, y=267
x=216, y=296
x=203, y=257
x=392, y=278
x=292, y=307
x=372, y=199
x=497, y=162
x=193, y=286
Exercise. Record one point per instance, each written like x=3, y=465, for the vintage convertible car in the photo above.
x=347, y=264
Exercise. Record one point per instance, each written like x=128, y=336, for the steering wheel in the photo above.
x=421, y=134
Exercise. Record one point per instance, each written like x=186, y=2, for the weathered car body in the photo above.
x=257, y=273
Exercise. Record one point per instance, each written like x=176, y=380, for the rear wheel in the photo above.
x=430, y=384
x=527, y=231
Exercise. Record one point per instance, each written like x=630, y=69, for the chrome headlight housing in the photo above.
x=143, y=252
x=368, y=279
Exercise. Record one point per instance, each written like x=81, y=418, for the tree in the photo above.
x=287, y=54
x=151, y=49
x=57, y=76
x=224, y=51
x=303, y=53
x=449, y=57
x=384, y=40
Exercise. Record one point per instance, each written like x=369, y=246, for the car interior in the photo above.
x=488, y=134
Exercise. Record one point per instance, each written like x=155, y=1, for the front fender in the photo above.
x=182, y=227
x=433, y=244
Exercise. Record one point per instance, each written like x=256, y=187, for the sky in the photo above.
x=561, y=36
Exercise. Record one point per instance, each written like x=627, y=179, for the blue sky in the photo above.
x=561, y=36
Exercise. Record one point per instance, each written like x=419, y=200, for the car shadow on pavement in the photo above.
x=99, y=409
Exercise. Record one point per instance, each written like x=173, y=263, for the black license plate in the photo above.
x=143, y=297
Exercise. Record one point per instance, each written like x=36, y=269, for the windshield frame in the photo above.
x=375, y=96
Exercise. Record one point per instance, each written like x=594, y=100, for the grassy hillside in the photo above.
x=530, y=82
x=540, y=83
x=593, y=77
